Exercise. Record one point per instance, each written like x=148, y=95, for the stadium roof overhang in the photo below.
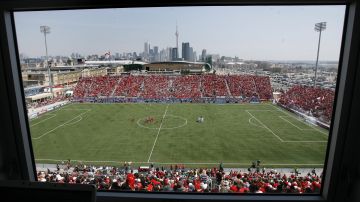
x=39, y=96
x=114, y=62
x=179, y=62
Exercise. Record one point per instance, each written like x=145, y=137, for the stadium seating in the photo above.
x=128, y=86
x=316, y=101
x=213, y=85
x=242, y=85
x=184, y=87
x=156, y=87
x=174, y=87
x=177, y=178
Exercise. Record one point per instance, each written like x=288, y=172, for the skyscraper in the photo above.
x=203, y=55
x=163, y=55
x=156, y=50
x=186, y=51
x=191, y=54
x=174, y=54
x=156, y=53
x=146, y=50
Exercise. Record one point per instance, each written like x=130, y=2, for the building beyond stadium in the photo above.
x=178, y=66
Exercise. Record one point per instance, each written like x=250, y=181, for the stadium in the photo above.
x=177, y=121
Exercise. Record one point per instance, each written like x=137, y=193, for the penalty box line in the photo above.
x=283, y=118
x=157, y=135
x=59, y=126
x=289, y=114
x=281, y=140
x=51, y=113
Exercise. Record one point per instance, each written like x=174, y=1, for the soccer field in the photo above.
x=163, y=134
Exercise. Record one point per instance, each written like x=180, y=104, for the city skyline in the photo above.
x=239, y=32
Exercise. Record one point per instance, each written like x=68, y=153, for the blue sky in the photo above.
x=263, y=33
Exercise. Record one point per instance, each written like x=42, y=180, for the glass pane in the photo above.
x=186, y=99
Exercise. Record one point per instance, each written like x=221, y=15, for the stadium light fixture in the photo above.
x=319, y=27
x=46, y=30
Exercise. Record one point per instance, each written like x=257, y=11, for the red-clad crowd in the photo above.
x=102, y=86
x=317, y=101
x=128, y=86
x=181, y=87
x=249, y=85
x=186, y=87
x=155, y=87
x=180, y=179
x=83, y=86
x=214, y=85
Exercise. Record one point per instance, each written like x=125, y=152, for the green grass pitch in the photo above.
x=235, y=134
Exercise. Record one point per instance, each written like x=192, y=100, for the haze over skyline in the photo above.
x=248, y=32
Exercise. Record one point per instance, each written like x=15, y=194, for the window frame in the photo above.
x=342, y=134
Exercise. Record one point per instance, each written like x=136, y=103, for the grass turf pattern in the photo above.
x=235, y=134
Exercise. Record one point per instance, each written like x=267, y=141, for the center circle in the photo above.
x=180, y=122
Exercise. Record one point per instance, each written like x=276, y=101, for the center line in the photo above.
x=162, y=121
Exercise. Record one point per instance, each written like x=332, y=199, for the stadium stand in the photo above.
x=156, y=87
x=177, y=178
x=186, y=87
x=213, y=85
x=316, y=101
x=128, y=86
x=161, y=87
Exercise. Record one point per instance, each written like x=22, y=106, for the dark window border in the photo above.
x=339, y=166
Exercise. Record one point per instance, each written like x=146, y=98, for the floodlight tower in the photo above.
x=319, y=27
x=46, y=30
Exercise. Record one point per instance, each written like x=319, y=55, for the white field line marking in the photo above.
x=282, y=117
x=169, y=115
x=306, y=141
x=254, y=123
x=72, y=123
x=75, y=109
x=264, y=126
x=260, y=110
x=61, y=125
x=51, y=116
x=189, y=163
x=281, y=110
x=162, y=121
x=256, y=110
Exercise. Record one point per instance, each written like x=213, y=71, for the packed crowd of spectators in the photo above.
x=102, y=86
x=128, y=86
x=214, y=85
x=177, y=178
x=250, y=85
x=179, y=87
x=83, y=86
x=318, y=102
x=155, y=87
x=186, y=87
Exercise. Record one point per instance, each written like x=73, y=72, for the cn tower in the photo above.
x=177, y=39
